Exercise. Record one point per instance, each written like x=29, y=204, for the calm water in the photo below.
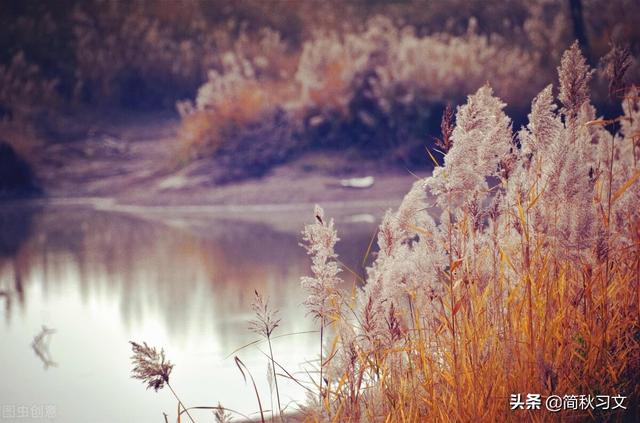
x=101, y=279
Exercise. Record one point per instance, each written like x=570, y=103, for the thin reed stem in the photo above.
x=180, y=402
x=321, y=364
x=606, y=280
x=452, y=298
x=275, y=379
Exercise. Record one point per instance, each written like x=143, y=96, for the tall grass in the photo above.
x=528, y=282
x=513, y=269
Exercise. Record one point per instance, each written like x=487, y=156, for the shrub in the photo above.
x=387, y=86
x=24, y=90
x=246, y=100
x=378, y=90
x=127, y=54
x=16, y=175
x=242, y=157
x=25, y=93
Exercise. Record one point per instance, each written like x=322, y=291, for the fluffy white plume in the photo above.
x=320, y=239
x=481, y=140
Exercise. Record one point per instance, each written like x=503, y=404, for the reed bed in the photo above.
x=527, y=282
x=512, y=273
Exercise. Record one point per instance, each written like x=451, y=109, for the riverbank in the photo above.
x=131, y=162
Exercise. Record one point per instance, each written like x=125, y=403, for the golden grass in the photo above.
x=546, y=324
x=561, y=327
x=204, y=131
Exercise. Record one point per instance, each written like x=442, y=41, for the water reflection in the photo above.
x=15, y=229
x=40, y=346
x=102, y=278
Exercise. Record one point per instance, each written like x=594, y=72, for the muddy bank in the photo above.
x=132, y=161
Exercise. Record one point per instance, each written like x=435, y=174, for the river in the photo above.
x=182, y=282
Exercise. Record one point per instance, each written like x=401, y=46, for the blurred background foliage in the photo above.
x=374, y=75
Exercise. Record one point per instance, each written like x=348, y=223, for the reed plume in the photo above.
x=150, y=366
x=265, y=322
x=153, y=369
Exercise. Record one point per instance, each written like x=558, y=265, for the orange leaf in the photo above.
x=455, y=265
x=626, y=186
x=456, y=307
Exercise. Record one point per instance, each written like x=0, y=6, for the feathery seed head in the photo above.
x=266, y=318
x=614, y=66
x=574, y=75
x=150, y=365
x=319, y=239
